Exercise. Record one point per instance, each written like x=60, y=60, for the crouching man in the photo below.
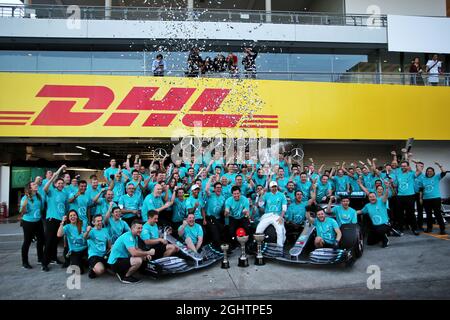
x=151, y=238
x=328, y=232
x=126, y=258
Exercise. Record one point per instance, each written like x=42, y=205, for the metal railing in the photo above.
x=345, y=77
x=184, y=14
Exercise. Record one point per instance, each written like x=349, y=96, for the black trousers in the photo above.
x=433, y=206
x=79, y=259
x=214, y=229
x=395, y=216
x=31, y=230
x=405, y=208
x=236, y=224
x=51, y=241
x=376, y=234
x=419, y=208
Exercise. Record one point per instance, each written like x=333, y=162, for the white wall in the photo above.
x=4, y=184
x=129, y=29
x=401, y=7
x=436, y=31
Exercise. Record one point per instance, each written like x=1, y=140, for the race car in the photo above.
x=185, y=260
x=303, y=250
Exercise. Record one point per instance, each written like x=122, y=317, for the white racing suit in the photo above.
x=271, y=219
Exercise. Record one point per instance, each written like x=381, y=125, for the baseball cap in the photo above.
x=194, y=187
x=273, y=184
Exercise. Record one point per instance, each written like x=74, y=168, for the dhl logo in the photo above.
x=138, y=100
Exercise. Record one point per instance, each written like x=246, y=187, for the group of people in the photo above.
x=197, y=66
x=119, y=223
x=433, y=68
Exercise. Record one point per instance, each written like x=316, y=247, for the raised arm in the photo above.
x=53, y=178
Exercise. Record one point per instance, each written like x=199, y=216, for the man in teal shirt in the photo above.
x=377, y=211
x=150, y=236
x=191, y=232
x=126, y=258
x=213, y=214
x=80, y=201
x=404, y=181
x=327, y=229
x=430, y=183
x=130, y=204
x=237, y=209
x=344, y=213
x=195, y=204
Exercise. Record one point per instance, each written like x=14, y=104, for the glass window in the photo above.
x=119, y=63
x=64, y=61
x=18, y=60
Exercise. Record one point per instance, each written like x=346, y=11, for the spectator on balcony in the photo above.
x=208, y=65
x=415, y=70
x=219, y=63
x=249, y=62
x=159, y=66
x=434, y=69
x=195, y=63
x=232, y=63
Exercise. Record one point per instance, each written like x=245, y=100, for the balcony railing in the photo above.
x=184, y=14
x=346, y=77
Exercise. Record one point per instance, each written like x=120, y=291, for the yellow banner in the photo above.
x=52, y=105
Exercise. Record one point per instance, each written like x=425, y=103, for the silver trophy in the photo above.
x=225, y=262
x=259, y=238
x=243, y=259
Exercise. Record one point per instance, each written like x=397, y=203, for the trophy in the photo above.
x=225, y=262
x=259, y=238
x=243, y=260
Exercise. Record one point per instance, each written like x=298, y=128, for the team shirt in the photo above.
x=343, y=216
x=151, y=203
x=431, y=188
x=130, y=203
x=273, y=203
x=236, y=208
x=296, y=212
x=325, y=229
x=75, y=239
x=215, y=205
x=305, y=188
x=341, y=183
x=405, y=183
x=34, y=208
x=116, y=228
x=121, y=246
x=192, y=232
x=190, y=204
x=56, y=204
x=80, y=205
x=377, y=212
x=98, y=242
x=179, y=210
x=149, y=232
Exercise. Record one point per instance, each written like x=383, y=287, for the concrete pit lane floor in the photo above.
x=413, y=267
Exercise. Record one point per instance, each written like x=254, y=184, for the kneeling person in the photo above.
x=328, y=232
x=191, y=232
x=151, y=238
x=99, y=242
x=126, y=258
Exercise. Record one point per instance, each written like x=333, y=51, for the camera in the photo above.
x=103, y=185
